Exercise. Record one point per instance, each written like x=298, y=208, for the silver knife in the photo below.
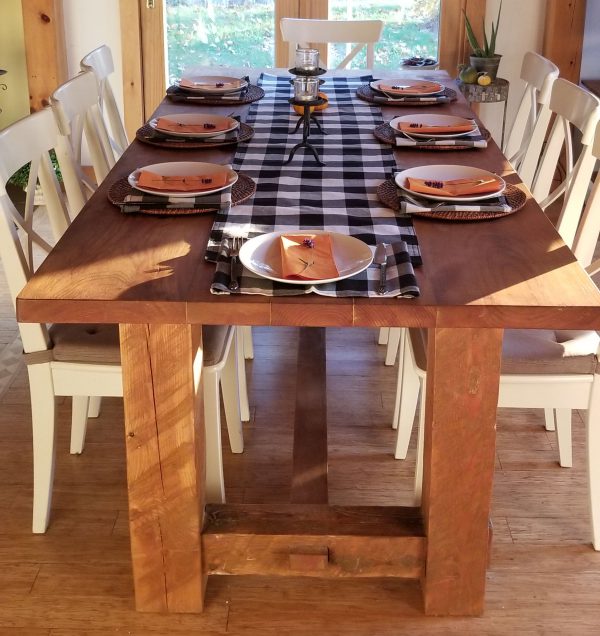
x=236, y=272
x=380, y=259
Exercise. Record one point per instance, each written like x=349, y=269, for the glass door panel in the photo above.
x=219, y=33
x=411, y=29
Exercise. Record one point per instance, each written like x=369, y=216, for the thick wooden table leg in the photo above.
x=463, y=368
x=309, y=477
x=165, y=464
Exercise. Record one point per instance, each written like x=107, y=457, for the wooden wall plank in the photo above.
x=43, y=27
x=153, y=54
x=454, y=48
x=131, y=60
x=283, y=9
x=563, y=36
x=165, y=464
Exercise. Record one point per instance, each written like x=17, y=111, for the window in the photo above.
x=219, y=33
x=411, y=29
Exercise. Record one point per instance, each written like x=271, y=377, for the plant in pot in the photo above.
x=17, y=184
x=484, y=58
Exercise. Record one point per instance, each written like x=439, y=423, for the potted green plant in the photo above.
x=484, y=58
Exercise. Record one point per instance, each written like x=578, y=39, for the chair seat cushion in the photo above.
x=544, y=351
x=99, y=344
x=534, y=351
x=94, y=344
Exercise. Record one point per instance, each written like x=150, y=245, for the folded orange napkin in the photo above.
x=307, y=256
x=415, y=89
x=414, y=127
x=164, y=123
x=187, y=183
x=188, y=83
x=453, y=187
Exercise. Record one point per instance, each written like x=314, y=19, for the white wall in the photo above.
x=521, y=30
x=87, y=26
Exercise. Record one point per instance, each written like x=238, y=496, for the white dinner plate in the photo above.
x=405, y=83
x=183, y=168
x=209, y=84
x=197, y=119
x=433, y=120
x=444, y=173
x=262, y=255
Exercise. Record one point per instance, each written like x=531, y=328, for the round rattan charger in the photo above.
x=176, y=94
x=148, y=135
x=387, y=135
x=241, y=191
x=515, y=197
x=366, y=93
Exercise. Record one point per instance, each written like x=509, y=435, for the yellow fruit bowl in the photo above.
x=300, y=109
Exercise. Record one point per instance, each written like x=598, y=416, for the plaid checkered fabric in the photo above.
x=472, y=140
x=338, y=197
x=142, y=201
x=493, y=204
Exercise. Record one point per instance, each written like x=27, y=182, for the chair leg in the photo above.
x=79, y=417
x=407, y=397
x=95, y=405
x=392, y=346
x=384, y=333
x=593, y=452
x=215, y=482
x=399, y=380
x=43, y=419
x=241, y=374
x=563, y=437
x=418, y=492
x=231, y=399
x=549, y=419
x=248, y=345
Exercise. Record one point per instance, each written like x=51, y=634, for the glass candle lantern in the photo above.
x=306, y=88
x=307, y=59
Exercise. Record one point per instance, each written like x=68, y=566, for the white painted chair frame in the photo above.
x=539, y=75
x=557, y=394
x=573, y=106
x=100, y=62
x=77, y=110
x=304, y=33
x=30, y=140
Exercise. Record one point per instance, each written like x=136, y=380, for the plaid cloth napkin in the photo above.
x=401, y=280
x=177, y=94
x=140, y=202
x=437, y=99
x=157, y=135
x=471, y=140
x=495, y=204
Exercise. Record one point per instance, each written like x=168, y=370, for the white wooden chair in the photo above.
x=573, y=107
x=100, y=62
x=305, y=33
x=555, y=370
x=539, y=75
x=83, y=360
x=76, y=107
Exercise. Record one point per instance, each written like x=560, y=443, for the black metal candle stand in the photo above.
x=306, y=118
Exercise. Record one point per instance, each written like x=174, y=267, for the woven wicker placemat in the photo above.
x=515, y=197
x=176, y=94
x=147, y=134
x=386, y=133
x=366, y=93
x=241, y=190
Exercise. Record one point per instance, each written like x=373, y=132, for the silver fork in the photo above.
x=235, y=264
x=423, y=203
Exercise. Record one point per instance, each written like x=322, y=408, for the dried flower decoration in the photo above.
x=308, y=242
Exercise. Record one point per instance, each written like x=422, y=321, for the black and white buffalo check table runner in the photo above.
x=338, y=197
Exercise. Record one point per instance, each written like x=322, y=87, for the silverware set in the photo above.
x=236, y=267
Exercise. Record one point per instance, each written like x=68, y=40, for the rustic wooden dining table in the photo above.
x=149, y=275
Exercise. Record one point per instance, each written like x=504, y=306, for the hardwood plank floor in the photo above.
x=76, y=579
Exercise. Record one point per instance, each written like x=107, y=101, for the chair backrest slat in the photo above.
x=304, y=33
